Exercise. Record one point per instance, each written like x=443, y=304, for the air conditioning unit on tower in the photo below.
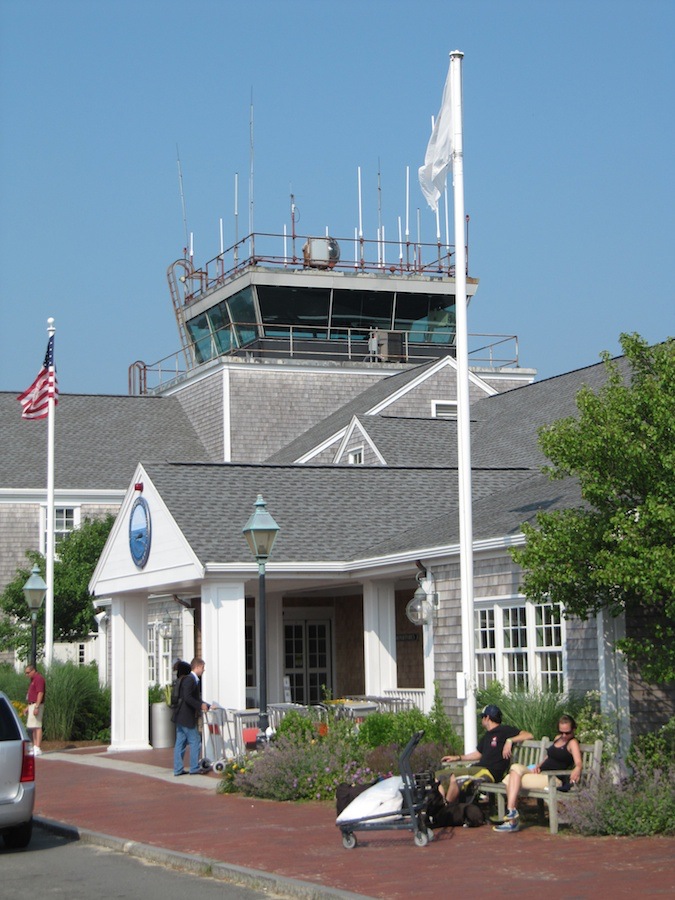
x=321, y=253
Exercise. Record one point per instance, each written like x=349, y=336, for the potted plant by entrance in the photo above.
x=162, y=729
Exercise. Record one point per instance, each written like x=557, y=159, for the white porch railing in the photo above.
x=417, y=696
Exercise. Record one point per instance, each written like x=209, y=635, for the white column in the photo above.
x=379, y=636
x=275, y=648
x=613, y=672
x=223, y=643
x=129, y=673
x=102, y=620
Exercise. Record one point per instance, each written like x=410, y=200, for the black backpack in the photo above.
x=175, y=693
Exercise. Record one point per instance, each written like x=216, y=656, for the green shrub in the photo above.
x=535, y=711
x=156, y=694
x=657, y=748
x=297, y=727
x=287, y=770
x=642, y=804
x=13, y=683
x=74, y=702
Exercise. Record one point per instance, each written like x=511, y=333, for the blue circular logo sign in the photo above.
x=140, y=532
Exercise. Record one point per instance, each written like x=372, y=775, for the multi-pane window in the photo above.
x=548, y=640
x=160, y=646
x=66, y=519
x=152, y=654
x=519, y=644
x=486, y=659
x=514, y=633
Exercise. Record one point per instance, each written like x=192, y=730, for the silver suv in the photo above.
x=17, y=778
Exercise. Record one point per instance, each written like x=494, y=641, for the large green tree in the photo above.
x=78, y=554
x=616, y=551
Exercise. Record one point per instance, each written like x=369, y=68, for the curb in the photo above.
x=200, y=865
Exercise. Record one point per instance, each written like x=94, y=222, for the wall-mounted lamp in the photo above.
x=166, y=625
x=421, y=608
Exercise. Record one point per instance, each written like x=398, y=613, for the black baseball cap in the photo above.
x=492, y=712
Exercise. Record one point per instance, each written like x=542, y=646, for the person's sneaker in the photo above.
x=37, y=751
x=512, y=815
x=507, y=827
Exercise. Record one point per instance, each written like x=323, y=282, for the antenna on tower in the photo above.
x=250, y=174
x=380, y=236
x=182, y=202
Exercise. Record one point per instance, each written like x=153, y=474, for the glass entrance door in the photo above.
x=307, y=659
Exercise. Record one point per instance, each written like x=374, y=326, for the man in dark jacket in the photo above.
x=190, y=704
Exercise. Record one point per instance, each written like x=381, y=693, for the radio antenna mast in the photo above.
x=250, y=175
x=182, y=203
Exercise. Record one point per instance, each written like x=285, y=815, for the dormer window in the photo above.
x=443, y=409
x=355, y=456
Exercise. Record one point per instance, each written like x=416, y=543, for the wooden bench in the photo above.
x=529, y=753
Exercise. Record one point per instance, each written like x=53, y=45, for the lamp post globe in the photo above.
x=34, y=591
x=260, y=532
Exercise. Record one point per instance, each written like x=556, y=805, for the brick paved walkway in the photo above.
x=135, y=796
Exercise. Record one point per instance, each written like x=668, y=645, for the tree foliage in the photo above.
x=616, y=551
x=78, y=554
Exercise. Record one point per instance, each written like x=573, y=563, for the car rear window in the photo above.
x=9, y=730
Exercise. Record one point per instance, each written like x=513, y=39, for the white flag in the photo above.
x=438, y=158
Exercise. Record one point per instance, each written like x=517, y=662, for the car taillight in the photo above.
x=28, y=764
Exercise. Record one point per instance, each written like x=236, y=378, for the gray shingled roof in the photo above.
x=98, y=440
x=326, y=513
x=343, y=416
x=507, y=424
x=423, y=442
x=500, y=514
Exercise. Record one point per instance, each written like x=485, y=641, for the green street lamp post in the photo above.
x=34, y=591
x=261, y=531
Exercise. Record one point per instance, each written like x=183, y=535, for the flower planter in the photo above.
x=162, y=729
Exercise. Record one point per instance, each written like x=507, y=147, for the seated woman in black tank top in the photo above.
x=563, y=753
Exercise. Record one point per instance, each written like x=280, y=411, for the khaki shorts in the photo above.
x=34, y=720
x=530, y=779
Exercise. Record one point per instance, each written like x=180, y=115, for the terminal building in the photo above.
x=320, y=374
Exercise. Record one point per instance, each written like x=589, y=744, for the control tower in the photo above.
x=279, y=296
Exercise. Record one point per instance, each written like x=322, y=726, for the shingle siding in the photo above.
x=203, y=405
x=272, y=408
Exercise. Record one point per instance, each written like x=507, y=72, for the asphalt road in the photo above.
x=53, y=867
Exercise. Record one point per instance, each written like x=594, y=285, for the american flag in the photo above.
x=35, y=399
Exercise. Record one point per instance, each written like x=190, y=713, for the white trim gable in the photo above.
x=355, y=427
x=447, y=361
x=324, y=445
x=171, y=561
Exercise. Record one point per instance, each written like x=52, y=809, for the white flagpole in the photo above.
x=463, y=412
x=49, y=597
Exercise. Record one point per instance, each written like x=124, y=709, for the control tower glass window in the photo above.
x=427, y=318
x=219, y=317
x=202, y=339
x=360, y=310
x=242, y=313
x=305, y=309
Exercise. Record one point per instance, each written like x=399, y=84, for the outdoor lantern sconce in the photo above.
x=260, y=532
x=34, y=591
x=166, y=625
x=421, y=608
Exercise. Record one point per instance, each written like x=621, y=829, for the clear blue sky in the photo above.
x=569, y=136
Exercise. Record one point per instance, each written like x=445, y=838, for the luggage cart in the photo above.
x=411, y=816
x=217, y=740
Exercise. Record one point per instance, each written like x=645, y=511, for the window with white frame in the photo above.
x=160, y=650
x=152, y=654
x=519, y=644
x=443, y=409
x=66, y=519
x=355, y=456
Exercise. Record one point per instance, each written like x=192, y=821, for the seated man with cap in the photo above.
x=492, y=755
